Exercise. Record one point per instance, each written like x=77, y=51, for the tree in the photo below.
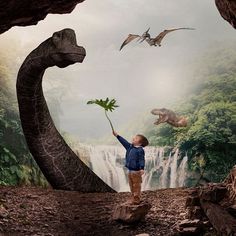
x=16, y=163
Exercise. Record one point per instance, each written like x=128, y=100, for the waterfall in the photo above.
x=160, y=171
x=108, y=163
x=164, y=177
x=182, y=173
x=173, y=169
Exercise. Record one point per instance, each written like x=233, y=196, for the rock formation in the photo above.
x=60, y=165
x=27, y=12
x=216, y=203
x=131, y=213
x=227, y=9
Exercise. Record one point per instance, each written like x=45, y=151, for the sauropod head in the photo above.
x=63, y=49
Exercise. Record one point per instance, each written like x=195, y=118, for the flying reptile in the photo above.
x=147, y=37
x=131, y=37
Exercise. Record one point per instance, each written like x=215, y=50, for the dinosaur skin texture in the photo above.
x=61, y=166
x=168, y=116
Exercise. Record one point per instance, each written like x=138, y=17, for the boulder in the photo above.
x=213, y=192
x=131, y=213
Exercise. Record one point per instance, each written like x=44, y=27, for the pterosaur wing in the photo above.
x=130, y=38
x=160, y=37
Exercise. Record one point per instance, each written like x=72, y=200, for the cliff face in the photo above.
x=27, y=12
x=227, y=9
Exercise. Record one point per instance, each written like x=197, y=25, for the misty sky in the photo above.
x=140, y=77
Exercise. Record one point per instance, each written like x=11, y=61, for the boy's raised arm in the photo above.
x=123, y=141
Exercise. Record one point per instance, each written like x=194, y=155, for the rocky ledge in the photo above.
x=27, y=12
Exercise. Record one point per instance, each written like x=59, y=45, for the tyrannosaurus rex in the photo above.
x=169, y=117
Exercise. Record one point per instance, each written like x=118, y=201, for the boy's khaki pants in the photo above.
x=135, y=181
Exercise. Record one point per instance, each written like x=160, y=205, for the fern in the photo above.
x=107, y=105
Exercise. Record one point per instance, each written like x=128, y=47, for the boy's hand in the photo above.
x=142, y=172
x=114, y=133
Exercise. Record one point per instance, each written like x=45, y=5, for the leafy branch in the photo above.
x=107, y=105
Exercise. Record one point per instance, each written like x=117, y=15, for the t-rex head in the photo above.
x=62, y=49
x=160, y=111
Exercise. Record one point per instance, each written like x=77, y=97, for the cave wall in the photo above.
x=28, y=12
x=227, y=9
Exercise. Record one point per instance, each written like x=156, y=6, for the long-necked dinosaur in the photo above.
x=60, y=165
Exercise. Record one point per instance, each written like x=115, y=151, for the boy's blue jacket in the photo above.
x=134, y=158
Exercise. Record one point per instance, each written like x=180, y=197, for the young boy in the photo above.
x=135, y=162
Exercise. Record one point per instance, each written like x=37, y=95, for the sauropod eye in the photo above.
x=56, y=38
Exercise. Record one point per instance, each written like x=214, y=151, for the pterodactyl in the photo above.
x=147, y=37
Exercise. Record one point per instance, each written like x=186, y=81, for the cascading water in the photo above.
x=104, y=163
x=160, y=171
x=182, y=173
x=173, y=170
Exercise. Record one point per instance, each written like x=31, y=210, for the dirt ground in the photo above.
x=36, y=211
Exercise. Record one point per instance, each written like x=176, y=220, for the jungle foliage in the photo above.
x=210, y=138
x=17, y=166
